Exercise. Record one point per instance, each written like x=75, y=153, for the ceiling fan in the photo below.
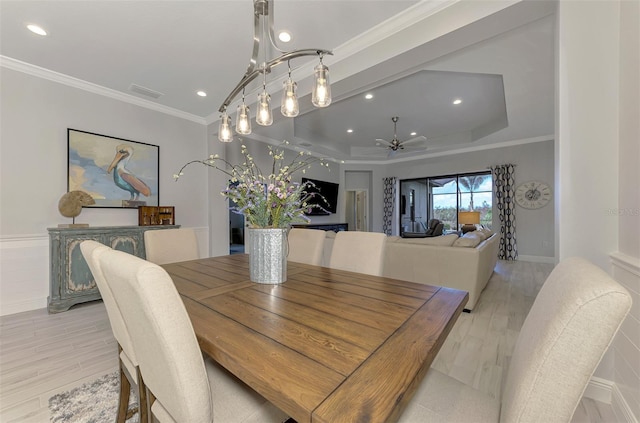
x=395, y=144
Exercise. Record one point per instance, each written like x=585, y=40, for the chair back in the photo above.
x=306, y=245
x=570, y=326
x=361, y=252
x=171, y=245
x=91, y=251
x=168, y=353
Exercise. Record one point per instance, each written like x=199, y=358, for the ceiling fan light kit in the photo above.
x=263, y=11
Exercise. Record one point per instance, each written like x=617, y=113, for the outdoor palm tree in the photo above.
x=471, y=183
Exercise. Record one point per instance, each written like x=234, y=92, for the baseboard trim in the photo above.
x=607, y=392
x=22, y=306
x=620, y=407
x=537, y=259
x=599, y=389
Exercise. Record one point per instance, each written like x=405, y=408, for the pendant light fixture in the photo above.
x=243, y=122
x=321, y=94
x=263, y=11
x=264, y=116
x=224, y=133
x=289, y=106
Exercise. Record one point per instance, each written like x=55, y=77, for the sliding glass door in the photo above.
x=442, y=197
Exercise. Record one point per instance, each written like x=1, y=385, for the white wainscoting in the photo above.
x=625, y=398
x=24, y=270
x=623, y=393
x=24, y=273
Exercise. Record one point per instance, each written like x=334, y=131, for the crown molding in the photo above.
x=37, y=71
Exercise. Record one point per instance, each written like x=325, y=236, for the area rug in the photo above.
x=93, y=402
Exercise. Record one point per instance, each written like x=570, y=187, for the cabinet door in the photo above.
x=127, y=242
x=80, y=281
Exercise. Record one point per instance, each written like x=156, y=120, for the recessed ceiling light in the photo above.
x=36, y=29
x=368, y=96
x=284, y=36
x=349, y=130
x=413, y=134
x=201, y=93
x=457, y=101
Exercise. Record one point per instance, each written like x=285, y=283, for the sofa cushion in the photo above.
x=445, y=240
x=470, y=239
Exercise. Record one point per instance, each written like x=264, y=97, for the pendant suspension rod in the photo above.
x=252, y=73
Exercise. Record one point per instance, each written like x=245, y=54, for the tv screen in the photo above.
x=328, y=190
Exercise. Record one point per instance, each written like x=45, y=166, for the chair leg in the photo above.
x=144, y=407
x=125, y=390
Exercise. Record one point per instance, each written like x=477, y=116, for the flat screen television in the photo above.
x=329, y=191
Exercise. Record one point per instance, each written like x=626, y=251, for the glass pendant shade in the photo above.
x=290, y=106
x=224, y=131
x=264, y=116
x=321, y=94
x=243, y=120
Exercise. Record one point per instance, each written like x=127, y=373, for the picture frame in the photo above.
x=115, y=172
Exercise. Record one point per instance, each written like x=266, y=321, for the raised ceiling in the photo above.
x=415, y=57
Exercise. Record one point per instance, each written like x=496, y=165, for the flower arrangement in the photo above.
x=266, y=200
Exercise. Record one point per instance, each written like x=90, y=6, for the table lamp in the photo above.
x=468, y=220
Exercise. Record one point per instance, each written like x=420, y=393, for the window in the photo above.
x=442, y=197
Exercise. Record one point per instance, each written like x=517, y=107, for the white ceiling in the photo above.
x=415, y=57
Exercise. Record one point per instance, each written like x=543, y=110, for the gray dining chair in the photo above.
x=182, y=387
x=127, y=359
x=361, y=252
x=570, y=326
x=171, y=245
x=306, y=245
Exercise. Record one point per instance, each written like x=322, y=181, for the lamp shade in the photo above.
x=468, y=218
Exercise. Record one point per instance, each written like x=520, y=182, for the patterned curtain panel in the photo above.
x=504, y=187
x=389, y=185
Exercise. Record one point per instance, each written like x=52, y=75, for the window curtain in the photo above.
x=389, y=199
x=504, y=188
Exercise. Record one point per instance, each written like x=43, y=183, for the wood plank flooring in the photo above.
x=43, y=354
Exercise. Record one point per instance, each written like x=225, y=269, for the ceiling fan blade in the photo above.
x=380, y=141
x=414, y=140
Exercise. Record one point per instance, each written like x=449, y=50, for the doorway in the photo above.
x=357, y=210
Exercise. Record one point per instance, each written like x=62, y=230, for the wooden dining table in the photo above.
x=326, y=345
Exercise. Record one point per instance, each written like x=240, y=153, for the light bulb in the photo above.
x=290, y=106
x=321, y=95
x=264, y=116
x=243, y=120
x=224, y=131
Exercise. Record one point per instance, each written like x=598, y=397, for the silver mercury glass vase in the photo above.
x=268, y=250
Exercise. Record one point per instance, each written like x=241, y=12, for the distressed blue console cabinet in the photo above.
x=70, y=280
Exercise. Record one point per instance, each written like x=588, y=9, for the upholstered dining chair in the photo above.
x=567, y=331
x=361, y=252
x=181, y=386
x=128, y=362
x=306, y=245
x=171, y=245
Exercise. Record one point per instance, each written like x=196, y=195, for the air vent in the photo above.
x=305, y=144
x=145, y=91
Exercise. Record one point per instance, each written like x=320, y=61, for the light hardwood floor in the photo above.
x=43, y=354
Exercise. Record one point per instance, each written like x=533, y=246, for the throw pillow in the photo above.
x=470, y=240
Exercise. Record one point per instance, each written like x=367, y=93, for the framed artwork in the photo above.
x=114, y=171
